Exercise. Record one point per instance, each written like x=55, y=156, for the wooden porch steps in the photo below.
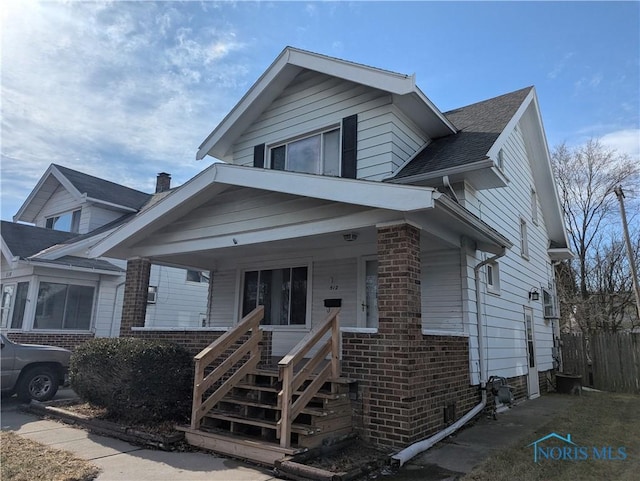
x=255, y=450
x=245, y=422
x=264, y=412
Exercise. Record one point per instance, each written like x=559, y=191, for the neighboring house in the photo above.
x=344, y=186
x=52, y=293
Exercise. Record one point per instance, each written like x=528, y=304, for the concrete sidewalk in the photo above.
x=460, y=453
x=121, y=461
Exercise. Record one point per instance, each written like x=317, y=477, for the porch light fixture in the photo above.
x=350, y=237
x=534, y=295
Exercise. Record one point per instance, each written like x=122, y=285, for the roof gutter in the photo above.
x=85, y=197
x=437, y=174
x=71, y=267
x=458, y=212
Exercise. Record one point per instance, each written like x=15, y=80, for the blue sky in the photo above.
x=124, y=90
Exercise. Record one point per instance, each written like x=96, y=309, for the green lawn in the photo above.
x=594, y=419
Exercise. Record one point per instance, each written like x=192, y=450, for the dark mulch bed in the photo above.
x=160, y=435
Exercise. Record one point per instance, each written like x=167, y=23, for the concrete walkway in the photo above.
x=459, y=454
x=121, y=461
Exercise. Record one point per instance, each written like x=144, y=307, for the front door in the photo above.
x=532, y=378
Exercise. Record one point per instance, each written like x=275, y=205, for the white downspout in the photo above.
x=413, y=450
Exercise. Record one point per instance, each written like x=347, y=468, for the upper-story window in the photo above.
x=501, y=160
x=67, y=222
x=534, y=207
x=315, y=154
x=524, y=239
x=332, y=151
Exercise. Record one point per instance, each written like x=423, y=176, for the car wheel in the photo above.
x=38, y=383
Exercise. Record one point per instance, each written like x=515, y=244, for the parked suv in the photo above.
x=32, y=371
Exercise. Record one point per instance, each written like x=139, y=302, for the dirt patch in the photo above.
x=160, y=435
x=347, y=460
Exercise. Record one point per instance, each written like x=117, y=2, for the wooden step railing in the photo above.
x=249, y=325
x=292, y=382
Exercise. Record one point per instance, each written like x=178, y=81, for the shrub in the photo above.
x=134, y=379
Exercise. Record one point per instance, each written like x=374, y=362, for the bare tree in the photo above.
x=587, y=176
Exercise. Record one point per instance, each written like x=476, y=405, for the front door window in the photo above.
x=371, y=293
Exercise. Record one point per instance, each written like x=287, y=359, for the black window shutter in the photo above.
x=349, y=146
x=258, y=156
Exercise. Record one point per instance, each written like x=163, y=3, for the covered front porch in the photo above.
x=393, y=263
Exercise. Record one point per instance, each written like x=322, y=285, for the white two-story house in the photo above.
x=343, y=186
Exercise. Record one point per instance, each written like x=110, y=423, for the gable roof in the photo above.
x=406, y=95
x=83, y=187
x=104, y=190
x=480, y=124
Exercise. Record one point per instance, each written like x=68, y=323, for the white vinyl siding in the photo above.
x=95, y=216
x=335, y=279
x=178, y=303
x=441, y=287
x=503, y=209
x=60, y=202
x=241, y=209
x=314, y=101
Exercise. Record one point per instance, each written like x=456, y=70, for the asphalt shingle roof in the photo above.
x=104, y=190
x=479, y=126
x=26, y=240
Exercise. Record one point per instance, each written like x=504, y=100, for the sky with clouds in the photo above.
x=124, y=90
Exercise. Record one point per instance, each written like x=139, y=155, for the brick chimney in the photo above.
x=163, y=182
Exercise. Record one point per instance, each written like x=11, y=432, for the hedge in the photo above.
x=134, y=379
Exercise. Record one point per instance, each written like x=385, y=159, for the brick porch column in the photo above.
x=393, y=403
x=136, y=289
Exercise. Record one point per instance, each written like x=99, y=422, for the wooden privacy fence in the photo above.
x=610, y=362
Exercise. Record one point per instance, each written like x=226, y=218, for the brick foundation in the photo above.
x=196, y=341
x=546, y=381
x=393, y=414
x=67, y=341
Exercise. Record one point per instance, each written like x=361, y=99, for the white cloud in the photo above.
x=120, y=90
x=624, y=141
x=559, y=66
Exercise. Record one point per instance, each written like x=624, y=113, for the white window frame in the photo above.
x=74, y=224
x=534, y=206
x=68, y=282
x=292, y=263
x=492, y=273
x=500, y=160
x=320, y=166
x=152, y=295
x=203, y=278
x=524, y=239
x=549, y=304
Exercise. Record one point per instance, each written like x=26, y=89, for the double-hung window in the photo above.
x=282, y=292
x=315, y=154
